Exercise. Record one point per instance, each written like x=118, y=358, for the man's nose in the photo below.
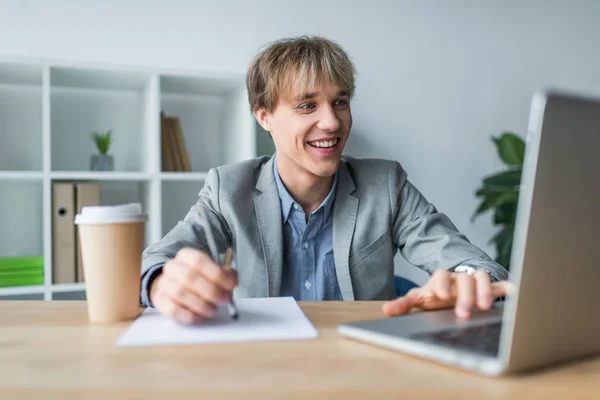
x=328, y=121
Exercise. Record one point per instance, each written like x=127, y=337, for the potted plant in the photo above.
x=500, y=193
x=102, y=161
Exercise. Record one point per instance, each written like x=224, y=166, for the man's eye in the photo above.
x=306, y=106
x=340, y=103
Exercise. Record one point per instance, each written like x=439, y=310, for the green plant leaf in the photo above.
x=501, y=193
x=507, y=179
x=506, y=213
x=485, y=191
x=496, y=199
x=503, y=257
x=511, y=148
x=503, y=240
x=102, y=141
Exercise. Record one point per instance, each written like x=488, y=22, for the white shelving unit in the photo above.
x=48, y=110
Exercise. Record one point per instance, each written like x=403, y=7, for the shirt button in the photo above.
x=295, y=206
x=307, y=285
x=306, y=245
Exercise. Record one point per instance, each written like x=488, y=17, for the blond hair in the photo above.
x=291, y=65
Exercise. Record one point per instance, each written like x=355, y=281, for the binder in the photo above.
x=63, y=233
x=86, y=194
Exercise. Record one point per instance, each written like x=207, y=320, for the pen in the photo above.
x=233, y=312
x=231, y=307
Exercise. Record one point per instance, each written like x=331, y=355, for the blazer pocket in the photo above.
x=369, y=249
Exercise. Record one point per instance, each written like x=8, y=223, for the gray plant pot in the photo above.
x=101, y=162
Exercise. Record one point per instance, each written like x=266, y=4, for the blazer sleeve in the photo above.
x=189, y=231
x=427, y=238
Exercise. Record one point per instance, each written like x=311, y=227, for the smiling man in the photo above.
x=309, y=222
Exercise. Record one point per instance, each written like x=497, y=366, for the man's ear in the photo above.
x=263, y=117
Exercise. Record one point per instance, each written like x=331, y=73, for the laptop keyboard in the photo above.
x=483, y=339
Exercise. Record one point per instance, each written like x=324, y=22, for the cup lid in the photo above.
x=119, y=214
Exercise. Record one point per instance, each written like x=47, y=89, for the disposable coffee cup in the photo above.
x=112, y=240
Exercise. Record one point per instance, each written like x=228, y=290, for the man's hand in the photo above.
x=192, y=286
x=447, y=289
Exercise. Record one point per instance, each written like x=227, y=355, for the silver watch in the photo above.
x=471, y=271
x=464, y=268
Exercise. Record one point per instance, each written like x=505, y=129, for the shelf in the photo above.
x=85, y=101
x=200, y=125
x=68, y=287
x=21, y=176
x=100, y=176
x=216, y=121
x=48, y=112
x=183, y=176
x=20, y=117
x=21, y=205
x=84, y=78
x=20, y=74
x=16, y=290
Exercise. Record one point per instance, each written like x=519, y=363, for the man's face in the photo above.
x=310, y=129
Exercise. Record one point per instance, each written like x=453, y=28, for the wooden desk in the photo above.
x=48, y=350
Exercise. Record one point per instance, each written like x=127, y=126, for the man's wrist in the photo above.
x=147, y=283
x=153, y=286
x=465, y=269
x=469, y=270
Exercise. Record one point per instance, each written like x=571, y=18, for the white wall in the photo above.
x=436, y=78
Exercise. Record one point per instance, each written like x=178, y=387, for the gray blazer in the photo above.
x=376, y=212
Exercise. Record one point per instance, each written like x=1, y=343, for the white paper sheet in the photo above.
x=276, y=318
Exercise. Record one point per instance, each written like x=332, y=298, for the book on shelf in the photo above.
x=68, y=198
x=21, y=271
x=175, y=157
x=166, y=151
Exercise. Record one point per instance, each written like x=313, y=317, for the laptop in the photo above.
x=553, y=315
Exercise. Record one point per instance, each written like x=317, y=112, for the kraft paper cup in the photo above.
x=111, y=240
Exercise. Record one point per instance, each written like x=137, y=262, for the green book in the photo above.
x=12, y=263
x=16, y=274
x=15, y=269
x=21, y=271
x=22, y=281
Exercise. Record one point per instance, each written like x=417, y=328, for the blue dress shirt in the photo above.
x=308, y=264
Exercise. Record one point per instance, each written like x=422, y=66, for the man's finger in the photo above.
x=171, y=308
x=502, y=288
x=465, y=285
x=207, y=290
x=205, y=266
x=440, y=284
x=403, y=305
x=191, y=279
x=484, y=290
x=189, y=299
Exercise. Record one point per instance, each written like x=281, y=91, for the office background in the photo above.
x=436, y=79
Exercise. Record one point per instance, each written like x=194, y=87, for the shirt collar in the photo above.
x=287, y=201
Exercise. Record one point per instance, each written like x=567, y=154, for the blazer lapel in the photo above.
x=268, y=217
x=345, y=209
